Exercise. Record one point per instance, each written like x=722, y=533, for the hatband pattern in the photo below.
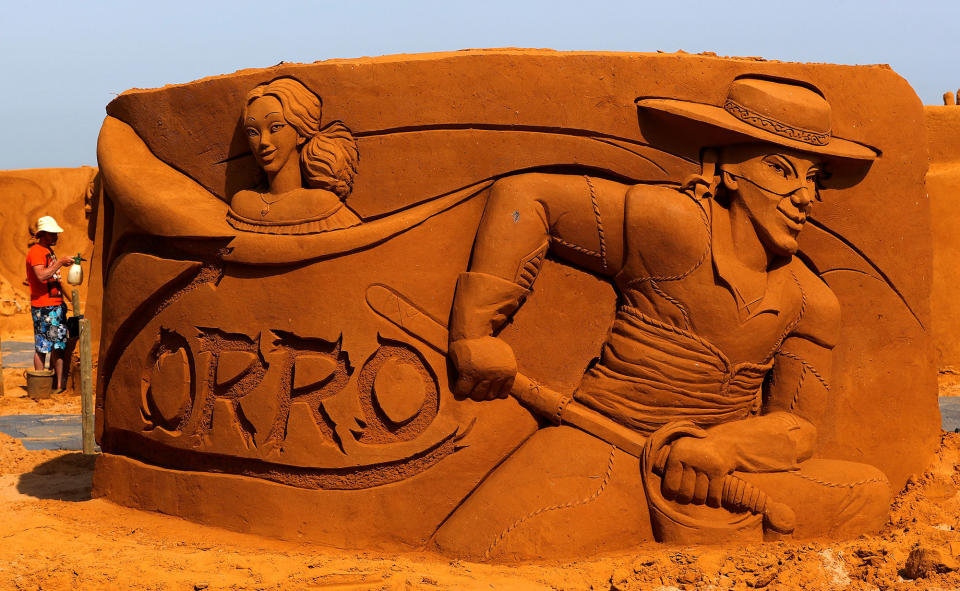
x=776, y=127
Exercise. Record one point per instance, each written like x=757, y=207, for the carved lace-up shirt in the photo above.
x=690, y=340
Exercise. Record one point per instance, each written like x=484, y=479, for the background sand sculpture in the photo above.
x=67, y=194
x=200, y=347
x=943, y=181
x=70, y=195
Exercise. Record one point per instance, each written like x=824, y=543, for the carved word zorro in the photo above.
x=721, y=346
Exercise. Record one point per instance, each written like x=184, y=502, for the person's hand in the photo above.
x=486, y=368
x=65, y=261
x=694, y=471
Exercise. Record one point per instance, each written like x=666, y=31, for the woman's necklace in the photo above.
x=267, y=204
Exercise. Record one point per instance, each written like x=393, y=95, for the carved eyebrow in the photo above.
x=790, y=164
x=781, y=160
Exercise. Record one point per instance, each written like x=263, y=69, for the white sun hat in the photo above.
x=48, y=224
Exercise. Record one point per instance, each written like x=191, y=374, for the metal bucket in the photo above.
x=40, y=383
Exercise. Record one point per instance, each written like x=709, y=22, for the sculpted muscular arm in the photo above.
x=578, y=219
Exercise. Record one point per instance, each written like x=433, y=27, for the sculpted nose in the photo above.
x=802, y=197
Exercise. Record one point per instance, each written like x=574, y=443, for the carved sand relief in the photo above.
x=678, y=351
x=265, y=396
x=719, y=250
x=308, y=170
x=297, y=403
x=398, y=394
x=168, y=383
x=255, y=382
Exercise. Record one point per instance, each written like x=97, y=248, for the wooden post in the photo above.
x=75, y=296
x=86, y=378
x=86, y=387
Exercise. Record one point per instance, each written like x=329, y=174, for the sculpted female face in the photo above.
x=777, y=187
x=272, y=140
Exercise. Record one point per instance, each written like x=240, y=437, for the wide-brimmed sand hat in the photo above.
x=48, y=224
x=784, y=112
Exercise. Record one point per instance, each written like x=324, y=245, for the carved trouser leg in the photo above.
x=564, y=493
x=830, y=497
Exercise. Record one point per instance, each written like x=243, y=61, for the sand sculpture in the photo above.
x=67, y=194
x=943, y=181
x=559, y=304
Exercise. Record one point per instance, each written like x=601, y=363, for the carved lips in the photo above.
x=794, y=221
x=266, y=156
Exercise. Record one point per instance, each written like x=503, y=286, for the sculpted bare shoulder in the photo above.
x=245, y=203
x=666, y=227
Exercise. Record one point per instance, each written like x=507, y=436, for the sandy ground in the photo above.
x=15, y=401
x=53, y=536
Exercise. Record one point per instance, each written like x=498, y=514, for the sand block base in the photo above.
x=255, y=506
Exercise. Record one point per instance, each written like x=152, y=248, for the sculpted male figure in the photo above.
x=718, y=324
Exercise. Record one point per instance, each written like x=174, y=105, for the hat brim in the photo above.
x=50, y=228
x=717, y=117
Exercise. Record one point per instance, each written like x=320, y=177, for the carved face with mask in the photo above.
x=776, y=186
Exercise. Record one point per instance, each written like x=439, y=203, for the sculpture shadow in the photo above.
x=65, y=478
x=242, y=171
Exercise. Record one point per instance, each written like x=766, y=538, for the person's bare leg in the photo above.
x=57, y=362
x=38, y=359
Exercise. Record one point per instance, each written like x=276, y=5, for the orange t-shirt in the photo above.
x=43, y=293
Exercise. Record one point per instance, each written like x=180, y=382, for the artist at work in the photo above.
x=721, y=345
x=308, y=171
x=46, y=299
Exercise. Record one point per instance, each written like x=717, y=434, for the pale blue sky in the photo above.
x=63, y=61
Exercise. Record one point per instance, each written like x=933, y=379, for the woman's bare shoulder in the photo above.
x=246, y=203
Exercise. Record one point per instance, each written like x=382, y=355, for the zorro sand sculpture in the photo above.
x=702, y=280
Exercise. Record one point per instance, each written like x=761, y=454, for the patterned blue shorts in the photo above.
x=50, y=328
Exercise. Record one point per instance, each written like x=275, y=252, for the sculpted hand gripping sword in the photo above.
x=738, y=495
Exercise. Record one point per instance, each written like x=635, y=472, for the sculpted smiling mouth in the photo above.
x=796, y=220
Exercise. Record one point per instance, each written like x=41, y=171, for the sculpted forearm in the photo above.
x=515, y=225
x=782, y=436
x=766, y=443
x=695, y=466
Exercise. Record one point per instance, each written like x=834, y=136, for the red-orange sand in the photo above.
x=54, y=536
